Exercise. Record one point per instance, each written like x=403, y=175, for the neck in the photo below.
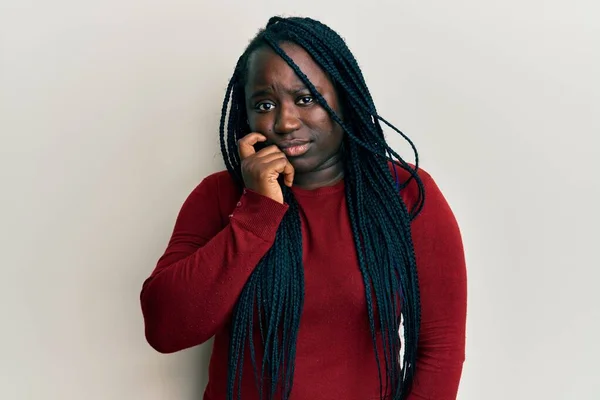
x=328, y=174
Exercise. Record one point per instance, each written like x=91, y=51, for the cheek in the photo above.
x=262, y=123
x=319, y=119
x=329, y=131
x=258, y=122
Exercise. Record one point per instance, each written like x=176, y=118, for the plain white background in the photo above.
x=109, y=117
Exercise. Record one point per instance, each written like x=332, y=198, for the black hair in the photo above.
x=380, y=221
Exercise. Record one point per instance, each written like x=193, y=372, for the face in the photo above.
x=282, y=108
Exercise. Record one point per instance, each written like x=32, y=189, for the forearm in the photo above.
x=193, y=289
x=185, y=303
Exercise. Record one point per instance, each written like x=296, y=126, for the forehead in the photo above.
x=267, y=68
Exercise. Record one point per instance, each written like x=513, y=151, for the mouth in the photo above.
x=294, y=148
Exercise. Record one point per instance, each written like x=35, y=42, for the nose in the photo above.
x=287, y=120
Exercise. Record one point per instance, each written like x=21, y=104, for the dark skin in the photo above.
x=302, y=140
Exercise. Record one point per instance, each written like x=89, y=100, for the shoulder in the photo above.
x=435, y=211
x=215, y=191
x=219, y=183
x=205, y=210
x=436, y=235
x=410, y=186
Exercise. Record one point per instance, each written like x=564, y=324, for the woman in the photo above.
x=315, y=248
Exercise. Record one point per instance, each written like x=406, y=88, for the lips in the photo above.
x=294, y=147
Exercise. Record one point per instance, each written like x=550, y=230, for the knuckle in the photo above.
x=246, y=165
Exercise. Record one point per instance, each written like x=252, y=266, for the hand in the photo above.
x=261, y=169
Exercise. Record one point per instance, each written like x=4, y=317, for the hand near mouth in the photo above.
x=261, y=169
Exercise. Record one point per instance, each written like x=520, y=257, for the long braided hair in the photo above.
x=380, y=221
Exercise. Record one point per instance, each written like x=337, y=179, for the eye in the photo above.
x=264, y=106
x=305, y=100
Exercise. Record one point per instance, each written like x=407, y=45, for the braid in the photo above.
x=379, y=219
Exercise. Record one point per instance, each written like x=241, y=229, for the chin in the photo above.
x=303, y=165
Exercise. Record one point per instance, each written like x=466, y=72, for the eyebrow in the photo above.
x=268, y=91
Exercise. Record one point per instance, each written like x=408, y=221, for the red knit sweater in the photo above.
x=222, y=233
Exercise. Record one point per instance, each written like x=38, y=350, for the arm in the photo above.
x=443, y=284
x=192, y=291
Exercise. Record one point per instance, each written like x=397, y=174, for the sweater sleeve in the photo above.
x=192, y=291
x=442, y=281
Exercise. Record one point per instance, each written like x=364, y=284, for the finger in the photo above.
x=288, y=173
x=266, y=159
x=283, y=166
x=246, y=144
x=277, y=165
x=268, y=150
